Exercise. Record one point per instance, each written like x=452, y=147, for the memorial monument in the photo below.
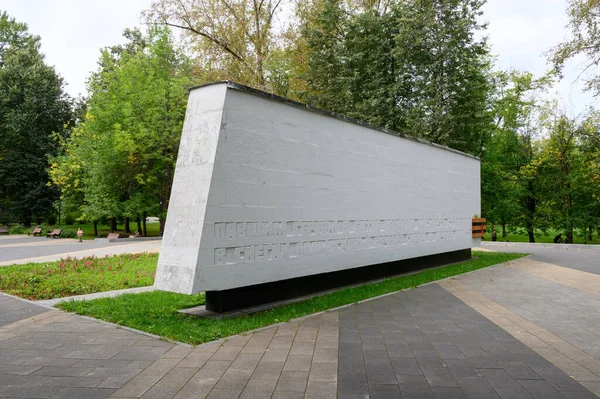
x=276, y=198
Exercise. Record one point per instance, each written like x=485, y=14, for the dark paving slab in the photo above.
x=426, y=343
x=60, y=355
x=13, y=310
x=578, y=257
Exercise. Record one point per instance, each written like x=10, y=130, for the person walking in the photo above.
x=79, y=234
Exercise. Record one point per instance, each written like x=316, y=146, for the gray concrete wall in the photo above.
x=265, y=191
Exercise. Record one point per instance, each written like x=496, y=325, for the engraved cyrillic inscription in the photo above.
x=292, y=239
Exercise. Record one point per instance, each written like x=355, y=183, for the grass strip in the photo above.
x=71, y=276
x=541, y=236
x=156, y=312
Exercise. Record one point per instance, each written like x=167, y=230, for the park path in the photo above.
x=20, y=249
x=525, y=329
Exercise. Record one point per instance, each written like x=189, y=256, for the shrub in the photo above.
x=68, y=233
x=18, y=229
x=52, y=218
x=69, y=219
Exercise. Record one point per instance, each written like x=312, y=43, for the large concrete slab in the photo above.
x=267, y=189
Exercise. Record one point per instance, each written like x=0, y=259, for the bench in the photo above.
x=36, y=232
x=55, y=233
x=113, y=236
x=3, y=230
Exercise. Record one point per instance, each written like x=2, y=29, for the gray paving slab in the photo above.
x=426, y=342
x=47, y=353
x=13, y=310
x=567, y=312
x=420, y=343
x=579, y=257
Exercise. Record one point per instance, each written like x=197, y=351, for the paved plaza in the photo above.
x=526, y=329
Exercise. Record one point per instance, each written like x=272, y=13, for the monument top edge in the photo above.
x=240, y=87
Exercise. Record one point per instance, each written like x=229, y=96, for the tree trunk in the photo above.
x=530, y=214
x=113, y=224
x=530, y=232
x=503, y=229
x=126, y=223
x=96, y=228
x=590, y=234
x=139, y=224
x=144, y=216
x=569, y=239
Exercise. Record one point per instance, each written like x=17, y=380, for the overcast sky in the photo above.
x=73, y=31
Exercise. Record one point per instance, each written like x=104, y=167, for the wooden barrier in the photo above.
x=478, y=228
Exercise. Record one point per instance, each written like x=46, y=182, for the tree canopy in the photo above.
x=419, y=67
x=33, y=110
x=120, y=160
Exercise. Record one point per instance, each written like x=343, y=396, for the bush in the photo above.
x=18, y=229
x=68, y=233
x=69, y=219
x=52, y=218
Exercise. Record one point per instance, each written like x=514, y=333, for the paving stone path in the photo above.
x=527, y=329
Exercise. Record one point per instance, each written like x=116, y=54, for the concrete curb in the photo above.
x=95, y=295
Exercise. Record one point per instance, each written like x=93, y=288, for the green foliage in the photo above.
x=103, y=229
x=68, y=233
x=69, y=277
x=69, y=219
x=443, y=72
x=415, y=67
x=234, y=40
x=156, y=312
x=511, y=157
x=52, y=218
x=519, y=234
x=120, y=160
x=584, y=41
x=33, y=107
x=18, y=229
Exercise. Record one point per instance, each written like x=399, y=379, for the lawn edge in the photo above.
x=255, y=330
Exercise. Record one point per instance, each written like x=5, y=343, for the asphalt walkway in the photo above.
x=525, y=329
x=20, y=249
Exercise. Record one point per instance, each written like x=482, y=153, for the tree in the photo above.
x=121, y=159
x=584, y=18
x=510, y=159
x=588, y=196
x=233, y=38
x=33, y=108
x=446, y=69
x=350, y=65
x=570, y=170
x=558, y=158
x=413, y=66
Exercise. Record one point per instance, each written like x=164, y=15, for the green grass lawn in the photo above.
x=156, y=312
x=88, y=229
x=153, y=230
x=520, y=235
x=69, y=277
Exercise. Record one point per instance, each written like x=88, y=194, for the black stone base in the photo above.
x=243, y=297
